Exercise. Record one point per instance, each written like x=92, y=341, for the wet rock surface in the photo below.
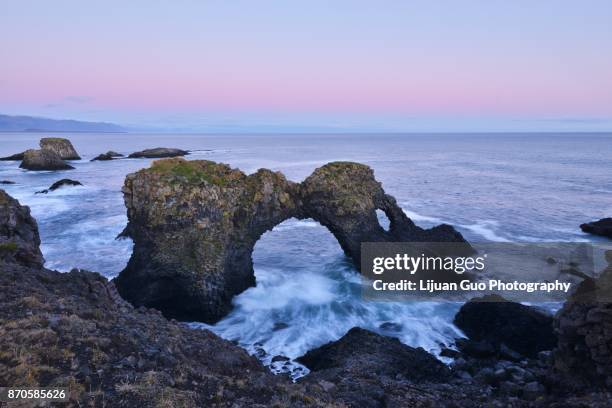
x=110, y=155
x=63, y=147
x=60, y=183
x=158, y=152
x=43, y=160
x=195, y=223
x=602, y=227
x=495, y=325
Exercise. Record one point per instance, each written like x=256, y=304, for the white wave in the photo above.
x=486, y=229
x=416, y=217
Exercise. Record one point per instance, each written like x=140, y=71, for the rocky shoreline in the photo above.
x=75, y=329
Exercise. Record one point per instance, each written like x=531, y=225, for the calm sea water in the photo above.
x=497, y=187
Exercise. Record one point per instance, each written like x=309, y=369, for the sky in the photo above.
x=321, y=66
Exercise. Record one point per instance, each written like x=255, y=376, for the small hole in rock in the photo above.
x=383, y=220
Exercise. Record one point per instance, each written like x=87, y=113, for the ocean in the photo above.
x=491, y=187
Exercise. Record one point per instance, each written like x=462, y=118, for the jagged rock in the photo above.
x=492, y=319
x=43, y=160
x=602, y=227
x=361, y=350
x=365, y=369
x=584, y=323
x=63, y=147
x=19, y=239
x=110, y=155
x=195, y=223
x=73, y=328
x=14, y=157
x=60, y=183
x=159, y=152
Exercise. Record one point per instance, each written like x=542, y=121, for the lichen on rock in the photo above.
x=63, y=147
x=195, y=225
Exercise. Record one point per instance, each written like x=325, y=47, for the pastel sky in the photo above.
x=456, y=65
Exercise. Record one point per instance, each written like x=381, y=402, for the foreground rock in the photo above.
x=19, y=239
x=110, y=155
x=584, y=355
x=195, y=223
x=60, y=183
x=602, y=227
x=159, y=152
x=73, y=330
x=43, y=160
x=14, y=157
x=63, y=147
x=497, y=325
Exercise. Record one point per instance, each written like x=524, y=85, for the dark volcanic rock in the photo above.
x=60, y=183
x=19, y=239
x=159, y=152
x=63, y=147
x=602, y=227
x=584, y=354
x=195, y=223
x=110, y=155
x=15, y=157
x=494, y=320
x=364, y=369
x=43, y=160
x=362, y=351
x=74, y=330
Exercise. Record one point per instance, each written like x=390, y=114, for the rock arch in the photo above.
x=195, y=224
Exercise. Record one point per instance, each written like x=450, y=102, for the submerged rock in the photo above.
x=110, y=155
x=43, y=160
x=15, y=157
x=19, y=239
x=491, y=322
x=602, y=227
x=195, y=223
x=63, y=147
x=60, y=183
x=6, y=182
x=159, y=152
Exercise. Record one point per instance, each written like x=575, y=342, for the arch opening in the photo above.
x=383, y=219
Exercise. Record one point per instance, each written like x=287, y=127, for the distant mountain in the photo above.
x=34, y=124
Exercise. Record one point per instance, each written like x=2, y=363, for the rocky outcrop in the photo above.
x=158, y=152
x=14, y=157
x=43, y=160
x=195, y=223
x=19, y=239
x=60, y=183
x=63, y=147
x=110, y=155
x=602, y=227
x=74, y=330
x=497, y=325
x=365, y=369
x=584, y=354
